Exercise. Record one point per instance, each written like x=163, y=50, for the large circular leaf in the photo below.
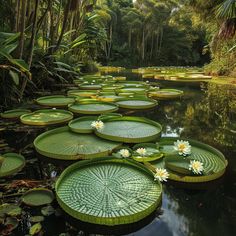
x=94, y=108
x=61, y=143
x=130, y=130
x=56, y=100
x=38, y=197
x=214, y=162
x=46, y=117
x=109, y=191
x=82, y=93
x=136, y=103
x=12, y=163
x=166, y=93
x=82, y=124
x=13, y=114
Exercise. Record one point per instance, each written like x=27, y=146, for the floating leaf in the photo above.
x=47, y=211
x=36, y=219
x=35, y=229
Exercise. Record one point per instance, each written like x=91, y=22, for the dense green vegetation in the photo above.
x=45, y=41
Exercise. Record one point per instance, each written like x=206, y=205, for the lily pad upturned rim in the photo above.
x=147, y=159
x=41, y=100
x=113, y=107
x=152, y=104
x=158, y=93
x=131, y=140
x=81, y=129
x=44, y=191
x=192, y=179
x=15, y=170
x=71, y=157
x=14, y=113
x=82, y=93
x=109, y=221
x=51, y=122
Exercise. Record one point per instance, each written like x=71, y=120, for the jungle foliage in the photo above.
x=44, y=42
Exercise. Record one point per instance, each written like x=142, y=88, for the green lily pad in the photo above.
x=214, y=162
x=55, y=101
x=82, y=93
x=36, y=219
x=108, y=191
x=130, y=129
x=35, y=229
x=11, y=164
x=61, y=143
x=38, y=197
x=82, y=124
x=13, y=114
x=152, y=152
x=166, y=94
x=47, y=117
x=136, y=103
x=178, y=164
x=93, y=108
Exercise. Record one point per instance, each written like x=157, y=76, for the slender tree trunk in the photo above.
x=64, y=24
x=22, y=30
x=129, y=37
x=143, y=45
x=32, y=40
x=152, y=44
x=17, y=14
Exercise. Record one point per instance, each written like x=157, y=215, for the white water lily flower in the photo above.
x=161, y=174
x=99, y=125
x=124, y=152
x=141, y=151
x=183, y=147
x=196, y=167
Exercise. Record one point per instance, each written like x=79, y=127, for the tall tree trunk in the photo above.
x=22, y=30
x=31, y=48
x=143, y=45
x=17, y=14
x=64, y=24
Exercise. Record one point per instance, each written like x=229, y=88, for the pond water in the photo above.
x=205, y=113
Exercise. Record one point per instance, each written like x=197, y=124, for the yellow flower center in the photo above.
x=182, y=147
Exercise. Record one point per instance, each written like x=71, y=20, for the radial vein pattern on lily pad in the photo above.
x=109, y=192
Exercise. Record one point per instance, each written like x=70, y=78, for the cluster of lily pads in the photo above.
x=116, y=148
x=178, y=74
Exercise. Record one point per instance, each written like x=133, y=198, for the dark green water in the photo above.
x=207, y=115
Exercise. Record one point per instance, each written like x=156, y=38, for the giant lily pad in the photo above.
x=82, y=93
x=214, y=162
x=108, y=191
x=11, y=164
x=90, y=86
x=136, y=103
x=93, y=107
x=55, y=101
x=46, y=117
x=13, y=114
x=82, y=124
x=61, y=143
x=152, y=152
x=166, y=93
x=130, y=129
x=38, y=197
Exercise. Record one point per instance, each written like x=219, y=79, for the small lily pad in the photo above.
x=38, y=197
x=11, y=164
x=13, y=114
x=36, y=228
x=47, y=211
x=36, y=219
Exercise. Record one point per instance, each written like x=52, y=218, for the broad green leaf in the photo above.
x=14, y=76
x=21, y=64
